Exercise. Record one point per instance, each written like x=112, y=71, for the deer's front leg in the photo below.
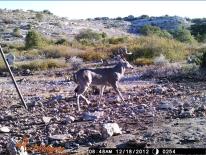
x=116, y=88
x=101, y=93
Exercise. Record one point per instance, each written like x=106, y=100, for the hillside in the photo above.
x=58, y=27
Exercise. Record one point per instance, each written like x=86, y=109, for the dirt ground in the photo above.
x=158, y=113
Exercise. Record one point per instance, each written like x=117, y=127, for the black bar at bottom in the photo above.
x=148, y=151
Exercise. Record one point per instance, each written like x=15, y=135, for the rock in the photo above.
x=68, y=119
x=201, y=108
x=58, y=97
x=46, y=119
x=132, y=144
x=71, y=118
x=71, y=145
x=189, y=139
x=110, y=129
x=10, y=58
x=187, y=114
x=160, y=90
x=165, y=105
x=140, y=109
x=26, y=72
x=88, y=116
x=61, y=137
x=11, y=147
x=4, y=129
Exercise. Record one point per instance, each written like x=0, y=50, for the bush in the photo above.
x=92, y=55
x=198, y=29
x=117, y=40
x=16, y=32
x=35, y=40
x=200, y=57
x=2, y=66
x=39, y=16
x=62, y=42
x=154, y=30
x=183, y=35
x=57, y=51
x=152, y=46
x=47, y=12
x=89, y=35
x=143, y=61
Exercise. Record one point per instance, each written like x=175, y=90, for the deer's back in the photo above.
x=100, y=76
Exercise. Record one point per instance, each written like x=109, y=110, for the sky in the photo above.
x=112, y=9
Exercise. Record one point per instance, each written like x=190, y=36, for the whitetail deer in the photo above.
x=100, y=76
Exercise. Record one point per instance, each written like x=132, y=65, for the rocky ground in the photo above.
x=159, y=112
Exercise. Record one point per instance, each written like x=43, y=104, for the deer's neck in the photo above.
x=119, y=69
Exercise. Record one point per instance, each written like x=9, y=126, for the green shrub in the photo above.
x=154, y=30
x=117, y=40
x=16, y=32
x=35, y=40
x=2, y=66
x=62, y=42
x=89, y=35
x=152, y=46
x=198, y=29
x=183, y=35
x=203, y=60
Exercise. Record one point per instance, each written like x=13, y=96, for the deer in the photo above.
x=100, y=77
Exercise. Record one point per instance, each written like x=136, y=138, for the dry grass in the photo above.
x=43, y=64
x=57, y=51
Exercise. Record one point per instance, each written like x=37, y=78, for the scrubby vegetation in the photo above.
x=183, y=35
x=155, y=46
x=154, y=30
x=35, y=40
x=44, y=64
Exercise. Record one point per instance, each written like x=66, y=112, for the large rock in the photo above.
x=10, y=58
x=110, y=129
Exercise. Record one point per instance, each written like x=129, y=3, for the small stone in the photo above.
x=110, y=129
x=160, y=90
x=71, y=118
x=61, y=137
x=46, y=119
x=4, y=129
x=164, y=105
x=88, y=116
